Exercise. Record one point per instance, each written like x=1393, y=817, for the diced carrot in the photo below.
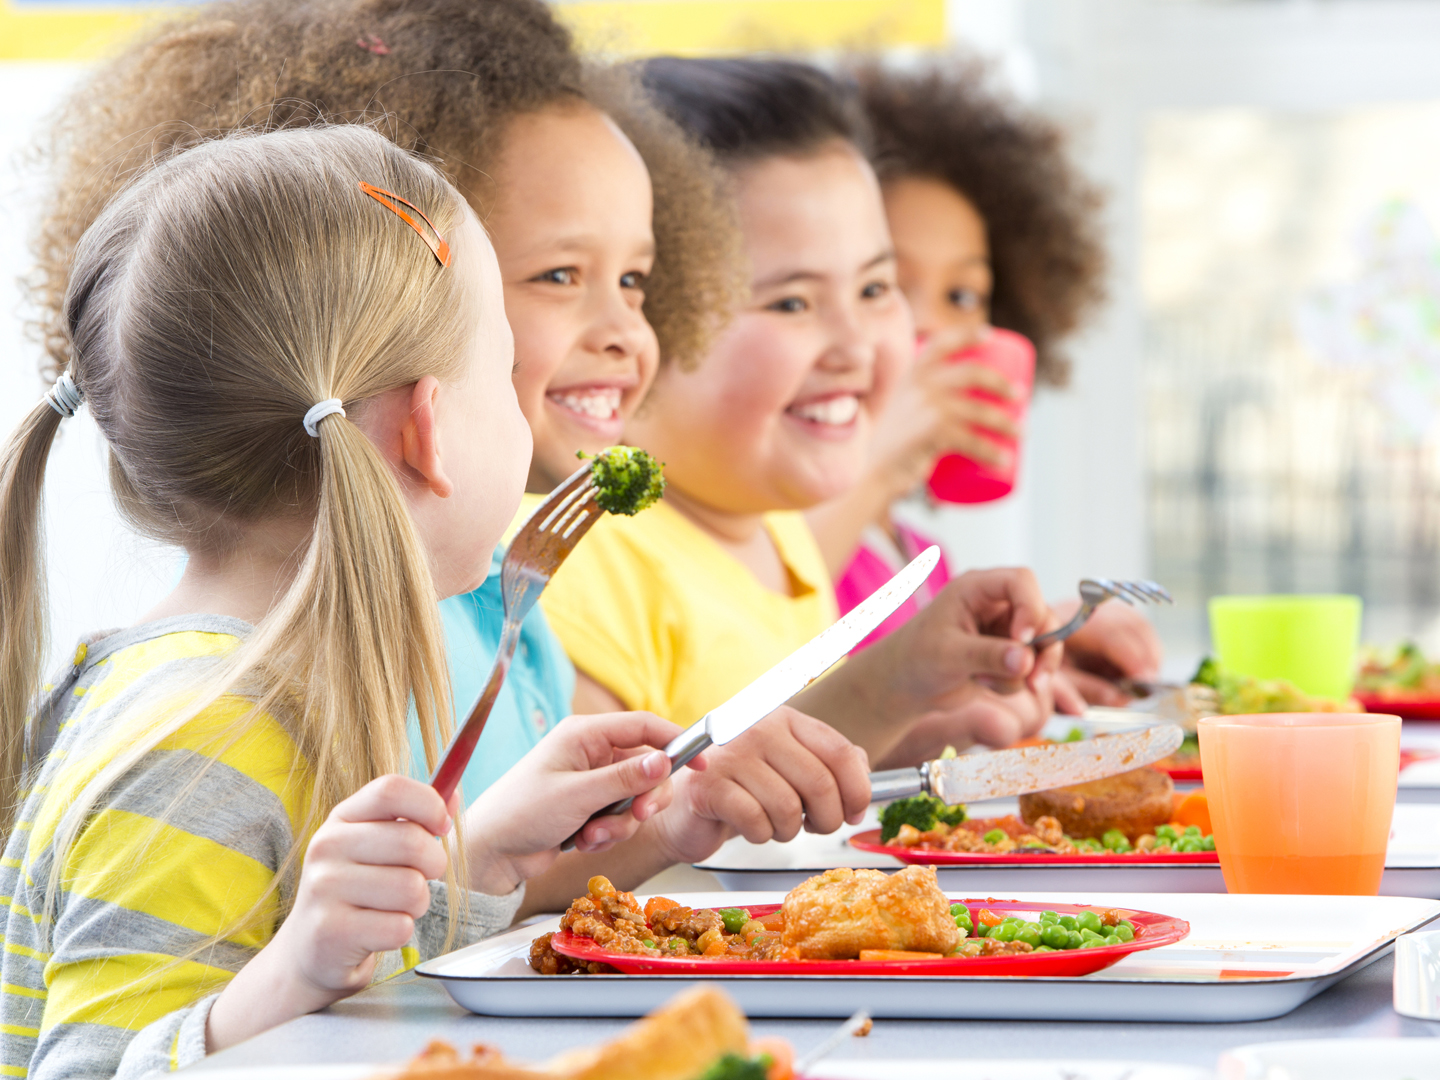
x=1194, y=809
x=656, y=904
x=775, y=920
x=1034, y=740
x=782, y=1057
x=989, y=918
x=897, y=954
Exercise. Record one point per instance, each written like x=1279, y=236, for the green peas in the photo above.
x=1089, y=843
x=733, y=919
x=1088, y=920
x=1207, y=844
x=1054, y=935
x=1042, y=948
x=677, y=945
x=1167, y=834
x=1095, y=942
x=1192, y=830
x=1124, y=933
x=1049, y=917
x=1086, y=934
x=1068, y=922
x=648, y=943
x=959, y=909
x=1189, y=844
x=1003, y=932
x=994, y=836
x=1115, y=840
x=981, y=930
x=1030, y=934
x=1073, y=940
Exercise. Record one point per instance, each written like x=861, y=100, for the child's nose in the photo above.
x=620, y=329
x=852, y=345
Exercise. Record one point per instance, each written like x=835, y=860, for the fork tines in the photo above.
x=1147, y=592
x=570, y=511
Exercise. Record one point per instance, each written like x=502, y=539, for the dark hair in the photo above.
x=744, y=110
x=440, y=77
x=1041, y=213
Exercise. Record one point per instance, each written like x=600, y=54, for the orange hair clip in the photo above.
x=383, y=197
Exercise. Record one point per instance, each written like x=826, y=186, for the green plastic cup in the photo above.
x=1309, y=641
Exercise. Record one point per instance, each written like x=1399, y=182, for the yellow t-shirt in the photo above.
x=656, y=611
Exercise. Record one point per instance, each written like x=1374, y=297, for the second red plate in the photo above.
x=1151, y=931
x=870, y=841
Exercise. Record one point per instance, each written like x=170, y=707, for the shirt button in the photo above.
x=538, y=719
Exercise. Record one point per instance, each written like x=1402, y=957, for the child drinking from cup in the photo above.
x=994, y=229
x=295, y=348
x=680, y=607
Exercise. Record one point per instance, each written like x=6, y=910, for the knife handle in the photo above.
x=898, y=784
x=680, y=751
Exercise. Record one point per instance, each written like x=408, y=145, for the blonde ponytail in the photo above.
x=211, y=307
x=23, y=605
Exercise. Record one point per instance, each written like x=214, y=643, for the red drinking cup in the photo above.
x=958, y=479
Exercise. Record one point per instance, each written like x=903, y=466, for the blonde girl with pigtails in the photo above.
x=295, y=346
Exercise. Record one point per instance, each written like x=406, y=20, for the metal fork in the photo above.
x=536, y=552
x=1093, y=593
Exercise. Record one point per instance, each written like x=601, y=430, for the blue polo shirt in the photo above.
x=538, y=688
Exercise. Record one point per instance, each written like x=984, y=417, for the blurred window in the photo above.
x=1290, y=272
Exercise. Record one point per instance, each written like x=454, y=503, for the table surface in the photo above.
x=391, y=1022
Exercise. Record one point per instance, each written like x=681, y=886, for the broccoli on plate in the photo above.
x=921, y=811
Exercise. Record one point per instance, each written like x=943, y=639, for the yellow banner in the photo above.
x=39, y=31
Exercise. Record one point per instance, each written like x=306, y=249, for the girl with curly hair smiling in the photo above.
x=993, y=225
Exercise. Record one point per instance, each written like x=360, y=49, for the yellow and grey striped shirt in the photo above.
x=151, y=876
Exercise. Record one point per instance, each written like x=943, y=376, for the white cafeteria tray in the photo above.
x=877, y=1069
x=1247, y=958
x=1333, y=1059
x=1412, y=865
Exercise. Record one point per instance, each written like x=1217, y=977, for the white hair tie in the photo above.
x=319, y=411
x=65, y=397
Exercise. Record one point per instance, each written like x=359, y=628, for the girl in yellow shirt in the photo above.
x=678, y=608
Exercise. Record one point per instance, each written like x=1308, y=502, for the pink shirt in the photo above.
x=875, y=563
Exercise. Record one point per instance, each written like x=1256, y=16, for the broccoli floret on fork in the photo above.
x=626, y=478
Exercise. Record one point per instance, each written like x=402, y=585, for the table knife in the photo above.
x=791, y=675
x=977, y=777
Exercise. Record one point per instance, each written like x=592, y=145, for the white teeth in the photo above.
x=602, y=404
x=836, y=410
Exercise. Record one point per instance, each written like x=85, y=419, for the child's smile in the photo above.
x=831, y=416
x=594, y=405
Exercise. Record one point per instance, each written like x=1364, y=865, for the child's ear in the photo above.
x=421, y=439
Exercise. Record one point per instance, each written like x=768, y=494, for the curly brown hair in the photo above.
x=439, y=77
x=946, y=122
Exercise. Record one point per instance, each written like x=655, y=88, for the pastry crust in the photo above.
x=834, y=915
x=1135, y=802
x=678, y=1041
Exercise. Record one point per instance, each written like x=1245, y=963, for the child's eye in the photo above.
x=875, y=290
x=565, y=275
x=632, y=280
x=965, y=299
x=790, y=305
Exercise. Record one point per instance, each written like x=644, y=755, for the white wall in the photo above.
x=101, y=574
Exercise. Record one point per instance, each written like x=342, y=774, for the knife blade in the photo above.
x=791, y=675
x=977, y=777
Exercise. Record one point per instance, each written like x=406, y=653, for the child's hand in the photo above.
x=929, y=413
x=515, y=828
x=960, y=671
x=1117, y=643
x=788, y=771
x=362, y=887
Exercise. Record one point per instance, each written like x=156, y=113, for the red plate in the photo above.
x=1183, y=774
x=1151, y=931
x=1405, y=708
x=870, y=841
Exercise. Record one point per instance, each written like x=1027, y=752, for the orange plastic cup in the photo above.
x=1301, y=802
